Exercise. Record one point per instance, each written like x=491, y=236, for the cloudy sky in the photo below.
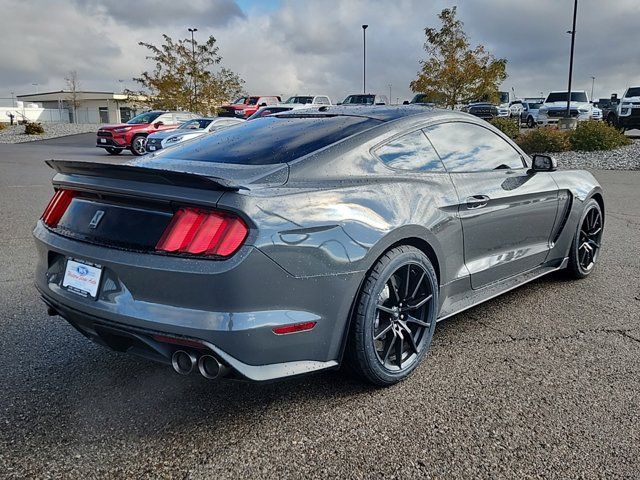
x=315, y=46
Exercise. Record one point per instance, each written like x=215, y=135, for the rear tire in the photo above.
x=531, y=122
x=587, y=241
x=395, y=317
x=114, y=151
x=139, y=145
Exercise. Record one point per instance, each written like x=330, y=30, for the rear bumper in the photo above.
x=228, y=306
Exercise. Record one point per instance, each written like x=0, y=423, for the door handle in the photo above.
x=477, y=201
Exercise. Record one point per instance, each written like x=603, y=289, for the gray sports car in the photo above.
x=305, y=240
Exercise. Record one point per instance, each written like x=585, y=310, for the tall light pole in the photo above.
x=389, y=85
x=364, y=58
x=35, y=85
x=193, y=59
x=573, y=42
x=593, y=82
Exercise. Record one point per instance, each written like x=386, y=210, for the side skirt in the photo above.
x=465, y=300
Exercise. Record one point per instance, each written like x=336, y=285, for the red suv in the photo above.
x=244, y=107
x=133, y=134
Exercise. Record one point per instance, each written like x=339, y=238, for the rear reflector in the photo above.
x=57, y=206
x=296, y=327
x=179, y=341
x=201, y=232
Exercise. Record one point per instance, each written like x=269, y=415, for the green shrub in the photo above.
x=594, y=135
x=33, y=128
x=544, y=139
x=508, y=126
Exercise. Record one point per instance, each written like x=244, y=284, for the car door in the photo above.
x=507, y=213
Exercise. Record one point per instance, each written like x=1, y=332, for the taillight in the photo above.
x=57, y=206
x=296, y=327
x=201, y=232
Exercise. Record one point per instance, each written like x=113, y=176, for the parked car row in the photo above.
x=623, y=113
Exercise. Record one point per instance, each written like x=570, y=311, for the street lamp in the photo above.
x=35, y=85
x=389, y=85
x=593, y=81
x=364, y=58
x=193, y=59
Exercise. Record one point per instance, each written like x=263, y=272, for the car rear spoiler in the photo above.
x=142, y=174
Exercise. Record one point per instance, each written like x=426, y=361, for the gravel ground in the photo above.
x=542, y=382
x=15, y=133
x=624, y=158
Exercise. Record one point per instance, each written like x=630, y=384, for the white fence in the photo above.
x=42, y=115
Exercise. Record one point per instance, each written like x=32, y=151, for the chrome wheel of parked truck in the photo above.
x=309, y=239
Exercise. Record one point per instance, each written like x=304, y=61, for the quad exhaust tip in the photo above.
x=183, y=362
x=210, y=367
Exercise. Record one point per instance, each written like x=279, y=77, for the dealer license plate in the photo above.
x=81, y=278
x=151, y=148
x=103, y=140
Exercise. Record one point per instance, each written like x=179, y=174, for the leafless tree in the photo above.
x=73, y=93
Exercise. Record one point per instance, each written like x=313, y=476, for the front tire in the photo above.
x=587, y=241
x=139, y=145
x=395, y=317
x=114, y=151
x=531, y=122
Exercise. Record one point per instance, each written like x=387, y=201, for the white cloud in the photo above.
x=315, y=46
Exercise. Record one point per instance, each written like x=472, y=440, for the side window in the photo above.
x=166, y=119
x=410, y=152
x=322, y=100
x=466, y=147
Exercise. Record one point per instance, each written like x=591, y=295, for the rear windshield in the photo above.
x=633, y=92
x=270, y=140
x=359, y=99
x=303, y=100
x=562, y=97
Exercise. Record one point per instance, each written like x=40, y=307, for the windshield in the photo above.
x=303, y=100
x=504, y=97
x=269, y=140
x=146, y=117
x=633, y=92
x=360, y=99
x=240, y=100
x=562, y=97
x=421, y=98
x=534, y=106
x=198, y=124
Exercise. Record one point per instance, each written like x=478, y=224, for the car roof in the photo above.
x=384, y=113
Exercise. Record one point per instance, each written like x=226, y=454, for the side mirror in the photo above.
x=158, y=124
x=406, y=102
x=339, y=103
x=544, y=163
x=263, y=104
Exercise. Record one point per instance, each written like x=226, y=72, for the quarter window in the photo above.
x=411, y=152
x=466, y=147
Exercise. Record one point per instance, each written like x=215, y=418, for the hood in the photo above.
x=238, y=106
x=563, y=105
x=114, y=126
x=169, y=133
x=631, y=99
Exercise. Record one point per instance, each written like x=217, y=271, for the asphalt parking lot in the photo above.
x=541, y=382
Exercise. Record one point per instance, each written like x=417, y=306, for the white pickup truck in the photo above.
x=555, y=107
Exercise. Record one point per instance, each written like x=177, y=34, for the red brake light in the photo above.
x=57, y=206
x=296, y=327
x=201, y=232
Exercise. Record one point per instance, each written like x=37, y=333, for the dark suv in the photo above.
x=133, y=134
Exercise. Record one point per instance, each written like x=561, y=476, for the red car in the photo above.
x=133, y=134
x=244, y=107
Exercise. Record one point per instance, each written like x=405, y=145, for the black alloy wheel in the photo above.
x=396, y=316
x=588, y=241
